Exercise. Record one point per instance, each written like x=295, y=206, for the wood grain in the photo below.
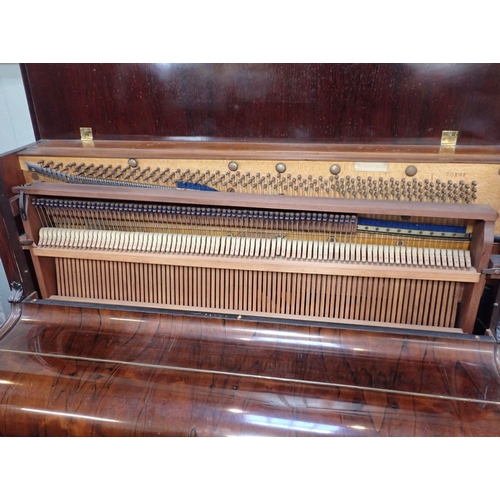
x=85, y=371
x=398, y=103
x=15, y=261
x=256, y=264
x=261, y=150
x=243, y=200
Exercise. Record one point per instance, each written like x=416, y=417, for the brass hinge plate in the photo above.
x=86, y=134
x=449, y=138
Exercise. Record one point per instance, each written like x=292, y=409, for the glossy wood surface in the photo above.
x=13, y=258
x=277, y=150
x=84, y=371
x=397, y=103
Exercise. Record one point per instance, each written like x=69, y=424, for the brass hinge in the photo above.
x=86, y=134
x=449, y=138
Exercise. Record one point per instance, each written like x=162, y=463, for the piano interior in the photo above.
x=363, y=260
x=360, y=270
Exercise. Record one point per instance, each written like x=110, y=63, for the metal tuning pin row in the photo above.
x=335, y=186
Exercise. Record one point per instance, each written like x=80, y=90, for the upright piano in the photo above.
x=220, y=250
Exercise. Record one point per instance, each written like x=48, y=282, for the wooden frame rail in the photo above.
x=273, y=202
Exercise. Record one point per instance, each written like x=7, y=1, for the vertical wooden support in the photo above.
x=480, y=249
x=15, y=263
x=44, y=266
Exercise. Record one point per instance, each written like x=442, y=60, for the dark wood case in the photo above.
x=99, y=369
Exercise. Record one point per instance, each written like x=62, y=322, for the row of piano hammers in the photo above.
x=242, y=253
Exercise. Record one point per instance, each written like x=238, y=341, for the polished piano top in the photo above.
x=90, y=371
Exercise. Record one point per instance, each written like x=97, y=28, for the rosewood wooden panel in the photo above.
x=401, y=103
x=85, y=371
x=13, y=257
x=110, y=399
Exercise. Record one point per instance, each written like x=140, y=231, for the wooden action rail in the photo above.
x=244, y=200
x=412, y=294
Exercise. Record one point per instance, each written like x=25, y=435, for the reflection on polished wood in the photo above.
x=396, y=103
x=113, y=339
x=103, y=372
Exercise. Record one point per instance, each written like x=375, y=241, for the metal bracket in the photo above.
x=493, y=269
x=449, y=138
x=25, y=243
x=16, y=292
x=23, y=206
x=492, y=272
x=86, y=134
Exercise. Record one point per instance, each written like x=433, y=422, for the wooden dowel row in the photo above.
x=345, y=297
